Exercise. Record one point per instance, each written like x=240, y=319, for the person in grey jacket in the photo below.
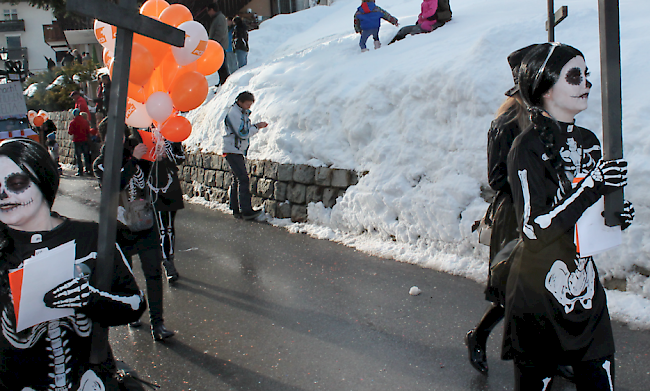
x=219, y=32
x=237, y=131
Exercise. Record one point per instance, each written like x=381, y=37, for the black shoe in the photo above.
x=566, y=372
x=253, y=215
x=237, y=215
x=172, y=273
x=79, y=174
x=160, y=332
x=477, y=356
x=136, y=324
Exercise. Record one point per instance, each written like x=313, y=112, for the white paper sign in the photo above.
x=12, y=101
x=42, y=273
x=592, y=236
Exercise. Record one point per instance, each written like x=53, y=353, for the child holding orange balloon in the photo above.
x=237, y=130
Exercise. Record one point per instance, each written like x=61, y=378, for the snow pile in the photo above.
x=413, y=118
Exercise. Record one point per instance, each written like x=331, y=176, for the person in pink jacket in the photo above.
x=432, y=16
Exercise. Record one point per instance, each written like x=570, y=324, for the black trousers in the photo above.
x=596, y=375
x=240, y=194
x=146, y=245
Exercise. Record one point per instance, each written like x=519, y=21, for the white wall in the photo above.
x=32, y=37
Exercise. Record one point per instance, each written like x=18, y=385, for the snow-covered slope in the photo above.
x=414, y=117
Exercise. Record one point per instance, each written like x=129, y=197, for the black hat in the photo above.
x=514, y=60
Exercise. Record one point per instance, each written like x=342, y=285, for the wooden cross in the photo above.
x=554, y=18
x=128, y=21
x=610, y=79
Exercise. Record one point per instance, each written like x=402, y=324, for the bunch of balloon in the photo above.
x=165, y=80
x=37, y=119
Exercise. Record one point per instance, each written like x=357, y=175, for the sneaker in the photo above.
x=365, y=50
x=79, y=174
x=377, y=45
x=254, y=215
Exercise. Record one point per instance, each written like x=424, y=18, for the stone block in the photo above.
x=285, y=172
x=298, y=213
x=207, y=161
x=329, y=197
x=210, y=177
x=340, y=178
x=341, y=193
x=283, y=210
x=271, y=207
x=323, y=176
x=296, y=193
x=247, y=164
x=280, y=192
x=257, y=168
x=253, y=185
x=190, y=159
x=265, y=188
x=256, y=202
x=198, y=159
x=200, y=175
x=218, y=178
x=270, y=170
x=193, y=171
x=227, y=180
x=313, y=194
x=216, y=162
x=304, y=174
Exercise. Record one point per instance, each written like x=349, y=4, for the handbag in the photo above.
x=484, y=226
x=138, y=214
x=500, y=270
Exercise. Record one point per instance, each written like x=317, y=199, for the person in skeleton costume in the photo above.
x=54, y=354
x=143, y=243
x=167, y=199
x=556, y=308
x=501, y=135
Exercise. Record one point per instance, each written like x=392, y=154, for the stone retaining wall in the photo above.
x=283, y=189
x=62, y=120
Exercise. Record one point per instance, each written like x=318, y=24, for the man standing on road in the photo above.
x=238, y=130
x=219, y=32
x=79, y=129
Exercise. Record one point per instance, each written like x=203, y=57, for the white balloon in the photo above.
x=159, y=106
x=105, y=34
x=196, y=41
x=136, y=114
x=44, y=114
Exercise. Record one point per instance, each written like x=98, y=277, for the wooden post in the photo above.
x=127, y=20
x=551, y=20
x=610, y=76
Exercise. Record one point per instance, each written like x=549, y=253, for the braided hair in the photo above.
x=539, y=72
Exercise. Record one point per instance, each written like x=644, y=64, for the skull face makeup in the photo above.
x=569, y=94
x=22, y=204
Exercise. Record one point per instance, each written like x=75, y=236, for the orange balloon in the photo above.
x=175, y=14
x=168, y=69
x=189, y=91
x=157, y=49
x=211, y=59
x=176, y=129
x=136, y=92
x=155, y=84
x=153, y=8
x=141, y=65
x=38, y=121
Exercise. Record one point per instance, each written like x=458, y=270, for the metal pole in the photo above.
x=551, y=21
x=610, y=76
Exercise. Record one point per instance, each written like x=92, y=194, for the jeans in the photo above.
x=82, y=148
x=231, y=60
x=240, y=195
x=242, y=58
x=365, y=34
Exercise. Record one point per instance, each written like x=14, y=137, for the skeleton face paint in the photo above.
x=569, y=94
x=21, y=201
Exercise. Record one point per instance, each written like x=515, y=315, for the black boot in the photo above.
x=170, y=268
x=160, y=332
x=476, y=339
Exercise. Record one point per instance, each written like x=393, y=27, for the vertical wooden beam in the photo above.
x=551, y=20
x=610, y=76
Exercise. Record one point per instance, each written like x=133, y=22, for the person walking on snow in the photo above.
x=237, y=130
x=367, y=20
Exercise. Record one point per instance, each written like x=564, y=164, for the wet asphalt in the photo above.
x=259, y=308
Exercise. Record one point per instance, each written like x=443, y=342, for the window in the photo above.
x=11, y=14
x=13, y=42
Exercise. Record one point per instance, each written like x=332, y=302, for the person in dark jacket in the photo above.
x=556, y=307
x=133, y=184
x=52, y=354
x=367, y=20
x=219, y=32
x=240, y=41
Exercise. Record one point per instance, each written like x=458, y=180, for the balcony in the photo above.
x=53, y=33
x=14, y=54
x=8, y=26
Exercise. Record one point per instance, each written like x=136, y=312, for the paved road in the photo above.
x=258, y=308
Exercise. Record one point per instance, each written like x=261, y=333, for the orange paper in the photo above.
x=147, y=139
x=16, y=284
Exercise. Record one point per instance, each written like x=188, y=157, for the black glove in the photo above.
x=627, y=215
x=610, y=175
x=74, y=293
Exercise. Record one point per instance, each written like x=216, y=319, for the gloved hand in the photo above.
x=627, y=215
x=610, y=175
x=74, y=293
